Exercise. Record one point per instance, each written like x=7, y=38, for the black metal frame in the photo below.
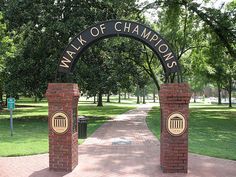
x=110, y=31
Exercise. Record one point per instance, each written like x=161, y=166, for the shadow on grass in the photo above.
x=106, y=111
x=31, y=126
x=27, y=106
x=212, y=130
x=25, y=129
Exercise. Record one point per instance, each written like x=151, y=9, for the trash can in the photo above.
x=82, y=127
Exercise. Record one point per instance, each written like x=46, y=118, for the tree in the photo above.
x=222, y=23
x=105, y=67
x=43, y=29
x=7, y=50
x=189, y=27
x=94, y=74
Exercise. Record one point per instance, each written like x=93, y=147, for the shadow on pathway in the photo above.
x=121, y=147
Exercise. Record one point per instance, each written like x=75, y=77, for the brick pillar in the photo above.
x=62, y=124
x=174, y=102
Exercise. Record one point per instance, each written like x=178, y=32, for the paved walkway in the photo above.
x=121, y=147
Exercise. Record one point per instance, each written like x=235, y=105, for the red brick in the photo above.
x=174, y=97
x=63, y=149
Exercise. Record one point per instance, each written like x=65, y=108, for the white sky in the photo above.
x=215, y=3
x=150, y=14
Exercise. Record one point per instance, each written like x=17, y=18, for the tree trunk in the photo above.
x=225, y=94
x=144, y=95
x=137, y=94
x=7, y=96
x=35, y=99
x=230, y=92
x=125, y=96
x=1, y=98
x=219, y=94
x=194, y=97
x=154, y=77
x=108, y=97
x=1, y=94
x=100, y=99
x=94, y=99
x=154, y=95
x=119, y=97
x=128, y=95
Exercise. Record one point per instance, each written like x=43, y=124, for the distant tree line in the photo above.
x=33, y=35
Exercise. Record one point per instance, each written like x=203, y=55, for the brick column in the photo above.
x=63, y=136
x=174, y=100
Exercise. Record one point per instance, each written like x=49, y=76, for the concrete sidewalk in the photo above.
x=122, y=147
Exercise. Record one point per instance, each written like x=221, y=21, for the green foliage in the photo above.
x=7, y=50
x=43, y=29
x=111, y=66
x=40, y=30
x=221, y=22
x=211, y=127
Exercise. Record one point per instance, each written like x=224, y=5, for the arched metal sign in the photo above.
x=113, y=28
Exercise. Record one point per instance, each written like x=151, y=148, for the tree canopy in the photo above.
x=34, y=34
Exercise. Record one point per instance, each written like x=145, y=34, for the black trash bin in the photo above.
x=82, y=127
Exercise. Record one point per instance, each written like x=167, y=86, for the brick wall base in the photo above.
x=63, y=148
x=174, y=97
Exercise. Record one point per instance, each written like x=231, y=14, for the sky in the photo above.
x=150, y=14
x=215, y=3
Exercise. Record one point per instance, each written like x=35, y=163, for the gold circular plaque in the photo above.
x=59, y=122
x=176, y=124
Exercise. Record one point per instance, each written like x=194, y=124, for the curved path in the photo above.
x=122, y=147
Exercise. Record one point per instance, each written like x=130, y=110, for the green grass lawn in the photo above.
x=31, y=127
x=212, y=129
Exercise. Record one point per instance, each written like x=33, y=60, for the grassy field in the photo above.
x=31, y=127
x=212, y=129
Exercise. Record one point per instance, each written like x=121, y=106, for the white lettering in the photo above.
x=76, y=48
x=102, y=27
x=136, y=29
x=81, y=40
x=154, y=38
x=145, y=35
x=116, y=26
x=168, y=56
x=64, y=62
x=127, y=27
x=172, y=64
x=94, y=31
x=161, y=50
x=158, y=42
x=70, y=53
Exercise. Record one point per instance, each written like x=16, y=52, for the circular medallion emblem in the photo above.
x=176, y=124
x=59, y=122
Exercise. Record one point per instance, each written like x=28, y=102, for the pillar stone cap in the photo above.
x=175, y=93
x=62, y=88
